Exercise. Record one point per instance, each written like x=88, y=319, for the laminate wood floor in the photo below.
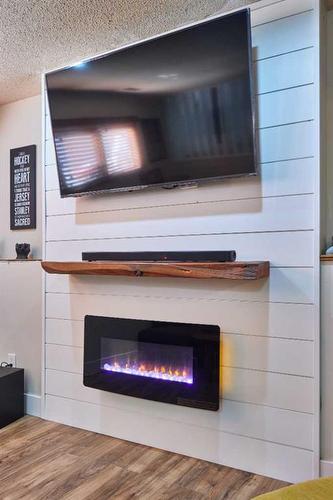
x=42, y=460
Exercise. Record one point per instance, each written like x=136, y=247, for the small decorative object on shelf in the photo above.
x=329, y=251
x=22, y=251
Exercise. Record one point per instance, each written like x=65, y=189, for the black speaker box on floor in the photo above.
x=11, y=395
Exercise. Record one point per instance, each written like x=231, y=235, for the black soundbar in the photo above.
x=206, y=256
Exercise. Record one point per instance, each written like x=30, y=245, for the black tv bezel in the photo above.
x=180, y=183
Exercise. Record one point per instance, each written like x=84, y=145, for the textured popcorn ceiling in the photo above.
x=41, y=35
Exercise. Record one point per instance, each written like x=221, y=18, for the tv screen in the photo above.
x=168, y=111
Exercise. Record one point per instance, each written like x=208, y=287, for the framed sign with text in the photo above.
x=23, y=188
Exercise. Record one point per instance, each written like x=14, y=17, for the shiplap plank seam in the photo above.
x=226, y=332
x=221, y=397
x=170, y=297
x=186, y=299
x=212, y=428
x=253, y=26
x=274, y=56
x=230, y=334
x=287, y=124
x=199, y=426
x=301, y=85
x=261, y=405
x=264, y=405
x=256, y=370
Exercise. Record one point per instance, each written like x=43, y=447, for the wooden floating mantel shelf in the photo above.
x=197, y=270
x=324, y=258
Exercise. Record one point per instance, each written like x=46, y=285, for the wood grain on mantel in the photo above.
x=327, y=258
x=197, y=270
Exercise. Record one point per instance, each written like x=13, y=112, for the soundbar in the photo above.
x=205, y=256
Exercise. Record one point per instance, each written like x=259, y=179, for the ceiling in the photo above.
x=41, y=35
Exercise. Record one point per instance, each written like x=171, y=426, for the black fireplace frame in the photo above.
x=204, y=339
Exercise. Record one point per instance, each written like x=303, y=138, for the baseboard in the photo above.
x=32, y=404
x=326, y=468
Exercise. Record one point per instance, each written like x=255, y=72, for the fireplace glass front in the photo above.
x=170, y=362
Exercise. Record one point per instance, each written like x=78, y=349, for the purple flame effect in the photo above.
x=187, y=379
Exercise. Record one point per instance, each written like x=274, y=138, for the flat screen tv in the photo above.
x=168, y=111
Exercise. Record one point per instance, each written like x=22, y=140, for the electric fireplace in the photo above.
x=174, y=363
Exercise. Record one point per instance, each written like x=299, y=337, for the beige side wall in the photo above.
x=21, y=282
x=20, y=125
x=21, y=318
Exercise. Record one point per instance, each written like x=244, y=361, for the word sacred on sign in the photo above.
x=23, y=188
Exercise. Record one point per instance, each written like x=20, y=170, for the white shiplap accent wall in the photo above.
x=268, y=418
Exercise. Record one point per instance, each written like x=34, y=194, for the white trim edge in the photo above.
x=326, y=468
x=32, y=404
